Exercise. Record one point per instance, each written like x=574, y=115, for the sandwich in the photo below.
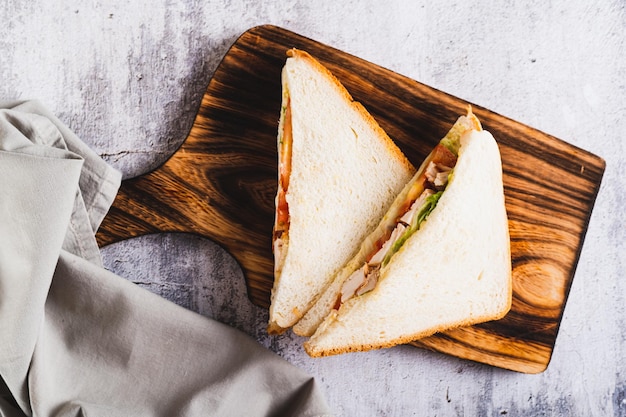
x=439, y=258
x=338, y=174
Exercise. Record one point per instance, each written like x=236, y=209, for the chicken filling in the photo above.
x=421, y=199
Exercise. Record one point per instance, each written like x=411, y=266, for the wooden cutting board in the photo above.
x=221, y=184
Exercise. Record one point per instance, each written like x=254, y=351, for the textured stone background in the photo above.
x=128, y=78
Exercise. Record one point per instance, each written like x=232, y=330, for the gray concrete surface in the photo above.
x=128, y=77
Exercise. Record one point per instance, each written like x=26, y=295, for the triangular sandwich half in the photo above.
x=439, y=259
x=339, y=172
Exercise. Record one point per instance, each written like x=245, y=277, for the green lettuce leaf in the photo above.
x=422, y=214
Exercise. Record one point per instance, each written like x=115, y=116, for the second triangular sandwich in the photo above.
x=439, y=259
x=338, y=174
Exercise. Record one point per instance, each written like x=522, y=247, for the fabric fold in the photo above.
x=32, y=227
x=78, y=340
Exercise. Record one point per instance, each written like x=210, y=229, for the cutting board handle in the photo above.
x=221, y=182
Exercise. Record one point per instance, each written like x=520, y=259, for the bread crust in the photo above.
x=312, y=350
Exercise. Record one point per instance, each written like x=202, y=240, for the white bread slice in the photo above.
x=345, y=174
x=454, y=271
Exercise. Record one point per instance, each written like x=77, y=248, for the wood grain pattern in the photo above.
x=221, y=184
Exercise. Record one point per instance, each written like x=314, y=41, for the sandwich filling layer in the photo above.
x=424, y=191
x=281, y=224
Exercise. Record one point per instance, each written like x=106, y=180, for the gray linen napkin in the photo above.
x=77, y=340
